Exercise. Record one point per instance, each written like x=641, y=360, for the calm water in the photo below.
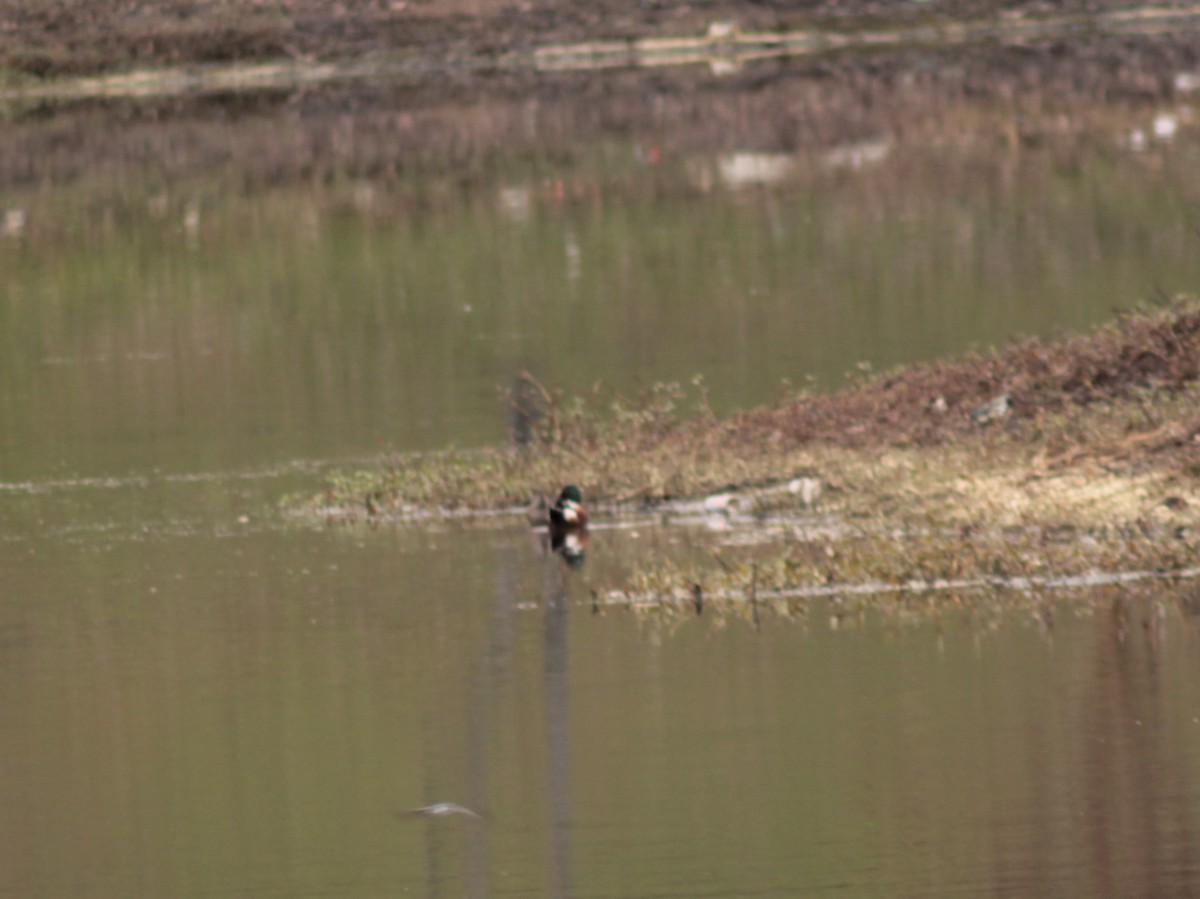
x=218, y=712
x=203, y=698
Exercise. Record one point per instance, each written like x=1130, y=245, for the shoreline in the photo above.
x=723, y=46
x=59, y=38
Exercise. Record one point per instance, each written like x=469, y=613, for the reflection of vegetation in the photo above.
x=1136, y=612
x=901, y=565
x=334, y=316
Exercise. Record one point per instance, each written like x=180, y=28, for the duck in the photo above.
x=568, y=512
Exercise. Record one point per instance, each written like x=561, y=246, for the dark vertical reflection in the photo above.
x=1127, y=771
x=527, y=402
x=556, y=662
x=433, y=855
x=489, y=679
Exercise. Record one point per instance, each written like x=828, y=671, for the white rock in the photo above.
x=809, y=489
x=719, y=502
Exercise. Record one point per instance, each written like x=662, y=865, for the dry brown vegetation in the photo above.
x=934, y=403
x=1123, y=394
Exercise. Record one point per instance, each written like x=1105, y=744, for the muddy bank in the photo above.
x=68, y=37
x=1013, y=388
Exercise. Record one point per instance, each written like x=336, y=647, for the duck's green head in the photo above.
x=571, y=493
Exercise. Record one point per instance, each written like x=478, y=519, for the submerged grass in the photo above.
x=1042, y=460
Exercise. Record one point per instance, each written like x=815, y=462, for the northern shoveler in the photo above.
x=568, y=510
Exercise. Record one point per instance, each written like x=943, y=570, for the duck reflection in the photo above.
x=557, y=691
x=570, y=544
x=566, y=525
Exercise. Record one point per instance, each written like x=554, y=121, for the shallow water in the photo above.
x=205, y=697
x=213, y=707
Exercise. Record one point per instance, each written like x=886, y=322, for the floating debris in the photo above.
x=441, y=809
x=992, y=410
